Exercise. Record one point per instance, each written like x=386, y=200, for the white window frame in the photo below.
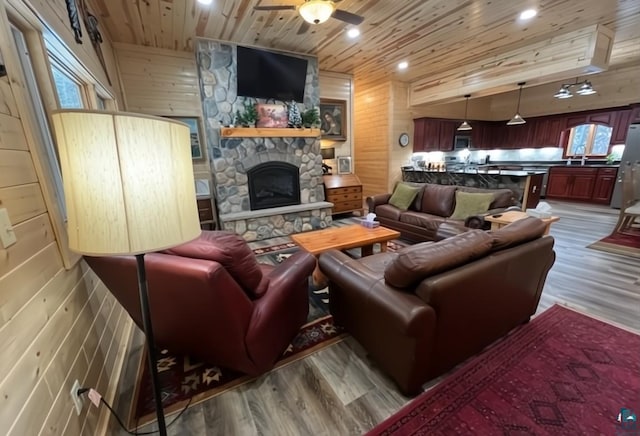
x=588, y=148
x=34, y=32
x=82, y=86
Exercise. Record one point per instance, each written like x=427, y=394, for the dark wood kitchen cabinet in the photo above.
x=594, y=185
x=432, y=134
x=577, y=119
x=447, y=133
x=605, y=182
x=621, y=126
x=426, y=134
x=547, y=131
x=571, y=183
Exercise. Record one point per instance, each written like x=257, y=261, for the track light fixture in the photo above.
x=565, y=90
x=465, y=124
x=517, y=118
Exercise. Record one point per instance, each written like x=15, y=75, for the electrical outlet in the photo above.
x=77, y=399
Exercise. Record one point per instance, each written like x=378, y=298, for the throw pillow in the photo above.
x=403, y=196
x=468, y=204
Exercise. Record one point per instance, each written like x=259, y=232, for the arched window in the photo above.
x=589, y=140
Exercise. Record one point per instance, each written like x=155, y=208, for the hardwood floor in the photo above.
x=339, y=391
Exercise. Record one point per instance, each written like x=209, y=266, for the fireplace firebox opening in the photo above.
x=273, y=184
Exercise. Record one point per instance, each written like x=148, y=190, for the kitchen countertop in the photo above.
x=480, y=171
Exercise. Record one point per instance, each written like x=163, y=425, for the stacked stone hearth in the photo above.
x=232, y=157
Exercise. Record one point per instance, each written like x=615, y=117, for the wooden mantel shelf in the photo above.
x=264, y=132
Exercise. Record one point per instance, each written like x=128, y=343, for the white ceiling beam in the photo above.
x=578, y=53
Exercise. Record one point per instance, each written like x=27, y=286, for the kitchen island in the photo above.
x=525, y=184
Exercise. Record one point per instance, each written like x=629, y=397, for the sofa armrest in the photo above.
x=398, y=310
x=377, y=200
x=296, y=267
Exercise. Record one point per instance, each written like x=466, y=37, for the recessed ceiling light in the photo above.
x=353, y=32
x=528, y=14
x=205, y=2
x=403, y=65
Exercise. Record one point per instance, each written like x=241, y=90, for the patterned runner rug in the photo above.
x=562, y=373
x=183, y=378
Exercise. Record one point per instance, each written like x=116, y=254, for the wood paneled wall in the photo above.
x=338, y=86
x=372, y=109
x=56, y=325
x=165, y=83
x=381, y=115
x=400, y=121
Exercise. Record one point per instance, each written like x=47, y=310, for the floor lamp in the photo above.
x=129, y=190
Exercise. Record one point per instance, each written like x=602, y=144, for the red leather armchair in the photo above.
x=209, y=298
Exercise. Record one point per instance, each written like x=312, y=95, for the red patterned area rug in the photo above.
x=627, y=244
x=563, y=373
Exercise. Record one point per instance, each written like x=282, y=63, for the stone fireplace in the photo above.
x=286, y=174
x=267, y=182
x=273, y=184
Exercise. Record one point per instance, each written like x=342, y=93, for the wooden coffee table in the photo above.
x=343, y=238
x=509, y=217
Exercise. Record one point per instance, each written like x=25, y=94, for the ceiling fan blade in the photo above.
x=303, y=28
x=347, y=17
x=275, y=8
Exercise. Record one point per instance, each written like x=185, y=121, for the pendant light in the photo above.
x=517, y=118
x=465, y=125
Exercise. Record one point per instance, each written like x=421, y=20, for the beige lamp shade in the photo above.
x=128, y=182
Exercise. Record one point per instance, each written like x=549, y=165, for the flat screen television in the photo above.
x=265, y=74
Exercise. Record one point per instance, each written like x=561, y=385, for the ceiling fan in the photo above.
x=317, y=11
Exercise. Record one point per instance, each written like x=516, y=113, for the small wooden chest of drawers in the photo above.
x=345, y=192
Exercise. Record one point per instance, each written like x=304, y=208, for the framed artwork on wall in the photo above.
x=333, y=119
x=344, y=165
x=195, y=132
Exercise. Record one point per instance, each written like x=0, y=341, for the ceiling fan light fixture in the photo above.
x=465, y=124
x=517, y=118
x=316, y=11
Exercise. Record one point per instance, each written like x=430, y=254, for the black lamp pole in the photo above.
x=148, y=331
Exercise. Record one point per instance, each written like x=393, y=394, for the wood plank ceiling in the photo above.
x=433, y=36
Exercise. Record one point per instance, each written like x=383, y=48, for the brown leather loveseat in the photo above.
x=209, y=298
x=426, y=308
x=432, y=207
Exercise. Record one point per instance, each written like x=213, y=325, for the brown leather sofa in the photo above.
x=210, y=299
x=426, y=308
x=432, y=208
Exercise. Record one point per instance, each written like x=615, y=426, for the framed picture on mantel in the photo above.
x=333, y=119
